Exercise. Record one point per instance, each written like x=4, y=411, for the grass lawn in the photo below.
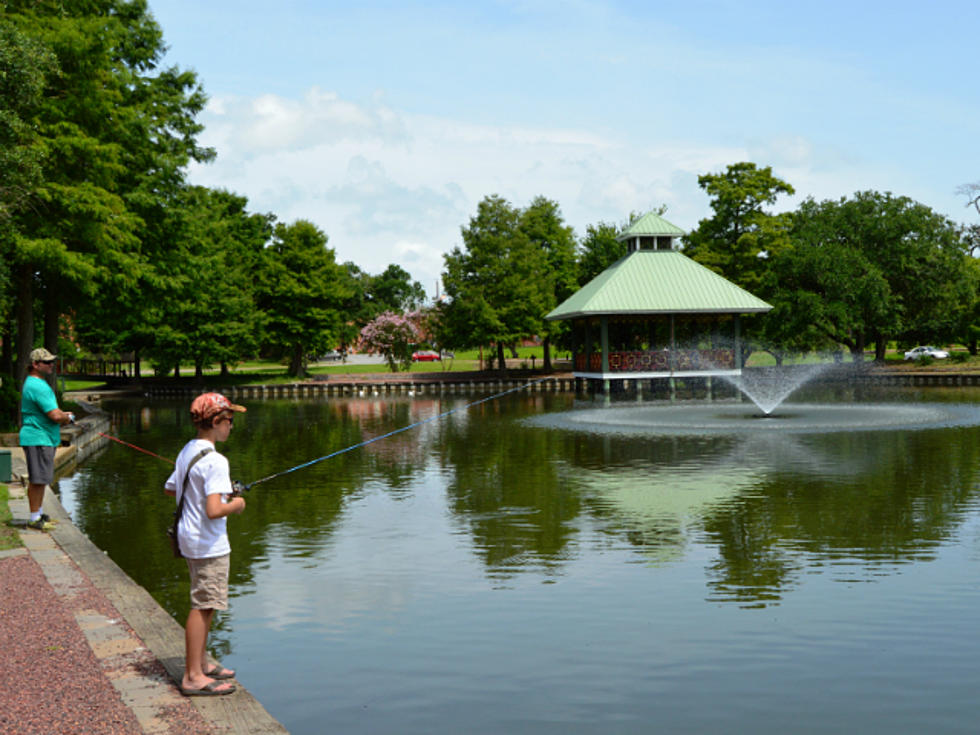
x=9, y=536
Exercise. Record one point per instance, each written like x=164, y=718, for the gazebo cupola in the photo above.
x=651, y=232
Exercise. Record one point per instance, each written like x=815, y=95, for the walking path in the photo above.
x=87, y=650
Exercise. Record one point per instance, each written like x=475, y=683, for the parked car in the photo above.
x=425, y=356
x=926, y=351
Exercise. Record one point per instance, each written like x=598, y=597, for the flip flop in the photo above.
x=220, y=672
x=208, y=690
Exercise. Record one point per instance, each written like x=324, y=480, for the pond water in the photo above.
x=515, y=567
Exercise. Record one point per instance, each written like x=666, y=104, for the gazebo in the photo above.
x=655, y=313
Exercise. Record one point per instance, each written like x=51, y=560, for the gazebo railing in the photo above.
x=651, y=361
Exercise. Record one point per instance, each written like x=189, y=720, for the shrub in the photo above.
x=392, y=335
x=9, y=405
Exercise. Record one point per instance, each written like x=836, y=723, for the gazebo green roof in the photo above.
x=651, y=224
x=658, y=282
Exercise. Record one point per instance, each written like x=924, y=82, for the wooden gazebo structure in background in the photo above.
x=656, y=314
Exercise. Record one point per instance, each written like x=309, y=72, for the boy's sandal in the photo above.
x=208, y=690
x=220, y=672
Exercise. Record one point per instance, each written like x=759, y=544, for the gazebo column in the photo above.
x=587, y=344
x=738, y=342
x=604, y=345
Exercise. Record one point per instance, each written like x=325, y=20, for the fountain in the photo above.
x=768, y=387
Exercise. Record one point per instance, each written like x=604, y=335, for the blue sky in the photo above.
x=386, y=123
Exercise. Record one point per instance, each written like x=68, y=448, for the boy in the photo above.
x=203, y=537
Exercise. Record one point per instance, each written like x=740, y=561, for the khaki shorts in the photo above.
x=209, y=582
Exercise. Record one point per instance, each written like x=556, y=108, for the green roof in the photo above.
x=651, y=224
x=658, y=282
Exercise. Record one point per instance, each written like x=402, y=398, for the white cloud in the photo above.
x=388, y=186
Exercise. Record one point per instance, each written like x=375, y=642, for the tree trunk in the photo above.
x=52, y=316
x=7, y=349
x=546, y=363
x=501, y=363
x=296, y=362
x=25, y=321
x=857, y=349
x=880, y=345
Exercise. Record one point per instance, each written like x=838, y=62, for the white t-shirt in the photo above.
x=201, y=537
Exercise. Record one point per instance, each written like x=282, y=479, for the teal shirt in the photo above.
x=36, y=399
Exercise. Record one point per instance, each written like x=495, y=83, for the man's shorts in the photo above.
x=40, y=465
x=209, y=582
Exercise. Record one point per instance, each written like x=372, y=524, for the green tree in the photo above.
x=198, y=304
x=873, y=268
x=738, y=239
x=544, y=226
x=493, y=285
x=114, y=135
x=599, y=250
x=301, y=290
x=394, y=291
x=24, y=65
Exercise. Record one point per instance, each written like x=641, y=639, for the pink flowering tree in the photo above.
x=392, y=335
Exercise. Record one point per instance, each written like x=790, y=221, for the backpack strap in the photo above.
x=183, y=485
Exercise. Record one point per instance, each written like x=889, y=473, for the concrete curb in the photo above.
x=65, y=553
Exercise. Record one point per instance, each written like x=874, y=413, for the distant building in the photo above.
x=655, y=313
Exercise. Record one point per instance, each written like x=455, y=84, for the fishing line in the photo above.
x=133, y=446
x=392, y=433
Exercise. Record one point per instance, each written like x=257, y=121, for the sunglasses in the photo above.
x=47, y=362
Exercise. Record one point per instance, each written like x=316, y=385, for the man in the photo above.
x=40, y=433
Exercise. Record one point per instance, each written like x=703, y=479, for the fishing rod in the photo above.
x=239, y=487
x=392, y=433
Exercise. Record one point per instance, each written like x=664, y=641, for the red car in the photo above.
x=425, y=356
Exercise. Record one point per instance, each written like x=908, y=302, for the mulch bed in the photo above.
x=50, y=680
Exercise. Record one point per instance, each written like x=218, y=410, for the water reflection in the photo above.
x=771, y=504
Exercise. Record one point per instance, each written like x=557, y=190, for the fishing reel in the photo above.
x=237, y=489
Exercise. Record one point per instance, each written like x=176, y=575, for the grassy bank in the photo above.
x=9, y=536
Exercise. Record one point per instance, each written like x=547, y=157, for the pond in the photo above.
x=516, y=567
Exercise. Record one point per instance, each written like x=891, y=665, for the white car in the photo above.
x=926, y=351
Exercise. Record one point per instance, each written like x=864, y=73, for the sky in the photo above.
x=386, y=123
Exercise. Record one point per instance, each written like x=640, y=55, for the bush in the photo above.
x=9, y=405
x=924, y=360
x=959, y=356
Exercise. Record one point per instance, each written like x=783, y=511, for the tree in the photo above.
x=544, y=226
x=395, y=291
x=393, y=335
x=301, y=290
x=198, y=303
x=493, y=285
x=599, y=250
x=736, y=241
x=24, y=65
x=876, y=267
x=115, y=135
